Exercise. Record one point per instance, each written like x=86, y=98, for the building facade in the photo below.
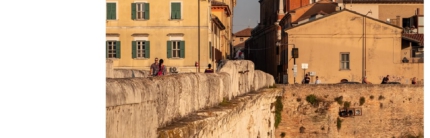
x=240, y=37
x=267, y=49
x=177, y=31
x=333, y=48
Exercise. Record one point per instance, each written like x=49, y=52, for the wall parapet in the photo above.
x=154, y=102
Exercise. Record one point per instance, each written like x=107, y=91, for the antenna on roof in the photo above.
x=249, y=21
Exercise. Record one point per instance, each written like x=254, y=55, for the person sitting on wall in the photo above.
x=209, y=69
x=385, y=80
x=365, y=81
x=414, y=80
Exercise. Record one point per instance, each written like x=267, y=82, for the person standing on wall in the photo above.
x=161, y=68
x=385, y=80
x=317, y=81
x=154, y=68
x=306, y=80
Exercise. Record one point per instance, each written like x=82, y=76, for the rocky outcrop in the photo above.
x=137, y=107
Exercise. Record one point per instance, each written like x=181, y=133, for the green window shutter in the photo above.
x=107, y=10
x=182, y=48
x=133, y=49
x=107, y=49
x=133, y=11
x=147, y=49
x=146, y=10
x=172, y=10
x=118, y=49
x=112, y=11
x=169, y=49
x=178, y=11
x=210, y=50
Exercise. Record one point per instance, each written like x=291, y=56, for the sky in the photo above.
x=246, y=13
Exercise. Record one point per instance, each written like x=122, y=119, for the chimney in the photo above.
x=398, y=20
x=338, y=8
x=418, y=11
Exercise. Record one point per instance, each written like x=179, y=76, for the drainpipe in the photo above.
x=198, y=35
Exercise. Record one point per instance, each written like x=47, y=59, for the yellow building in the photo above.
x=221, y=10
x=349, y=45
x=138, y=31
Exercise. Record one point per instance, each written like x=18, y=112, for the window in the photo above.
x=140, y=11
x=140, y=49
x=344, y=61
x=175, y=49
x=111, y=11
x=113, y=49
x=241, y=39
x=175, y=12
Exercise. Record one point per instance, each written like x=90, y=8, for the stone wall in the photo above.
x=399, y=111
x=247, y=116
x=137, y=107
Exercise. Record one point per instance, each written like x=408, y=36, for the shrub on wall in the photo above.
x=278, y=110
x=346, y=104
x=339, y=124
x=339, y=100
x=312, y=99
x=362, y=100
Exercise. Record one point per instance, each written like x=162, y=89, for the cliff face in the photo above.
x=394, y=111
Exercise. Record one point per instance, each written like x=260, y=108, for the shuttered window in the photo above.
x=111, y=11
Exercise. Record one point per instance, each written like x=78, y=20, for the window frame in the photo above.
x=342, y=61
x=142, y=49
x=176, y=51
x=111, y=49
x=116, y=10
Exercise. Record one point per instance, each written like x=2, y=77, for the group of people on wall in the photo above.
x=158, y=68
x=385, y=80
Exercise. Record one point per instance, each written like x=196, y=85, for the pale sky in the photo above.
x=246, y=13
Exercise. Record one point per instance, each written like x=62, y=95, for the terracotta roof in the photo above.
x=218, y=3
x=344, y=10
x=415, y=37
x=244, y=32
x=320, y=7
x=384, y=1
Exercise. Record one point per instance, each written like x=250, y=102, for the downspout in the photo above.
x=198, y=35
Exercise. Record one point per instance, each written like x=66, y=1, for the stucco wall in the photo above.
x=400, y=112
x=322, y=41
x=247, y=116
x=157, y=29
x=136, y=107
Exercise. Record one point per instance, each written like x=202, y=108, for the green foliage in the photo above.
x=278, y=110
x=339, y=124
x=282, y=134
x=312, y=99
x=362, y=100
x=273, y=86
x=346, y=104
x=381, y=97
x=224, y=102
x=371, y=97
x=339, y=100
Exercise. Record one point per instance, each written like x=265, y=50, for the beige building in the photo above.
x=138, y=31
x=333, y=47
x=240, y=37
x=221, y=37
x=403, y=13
